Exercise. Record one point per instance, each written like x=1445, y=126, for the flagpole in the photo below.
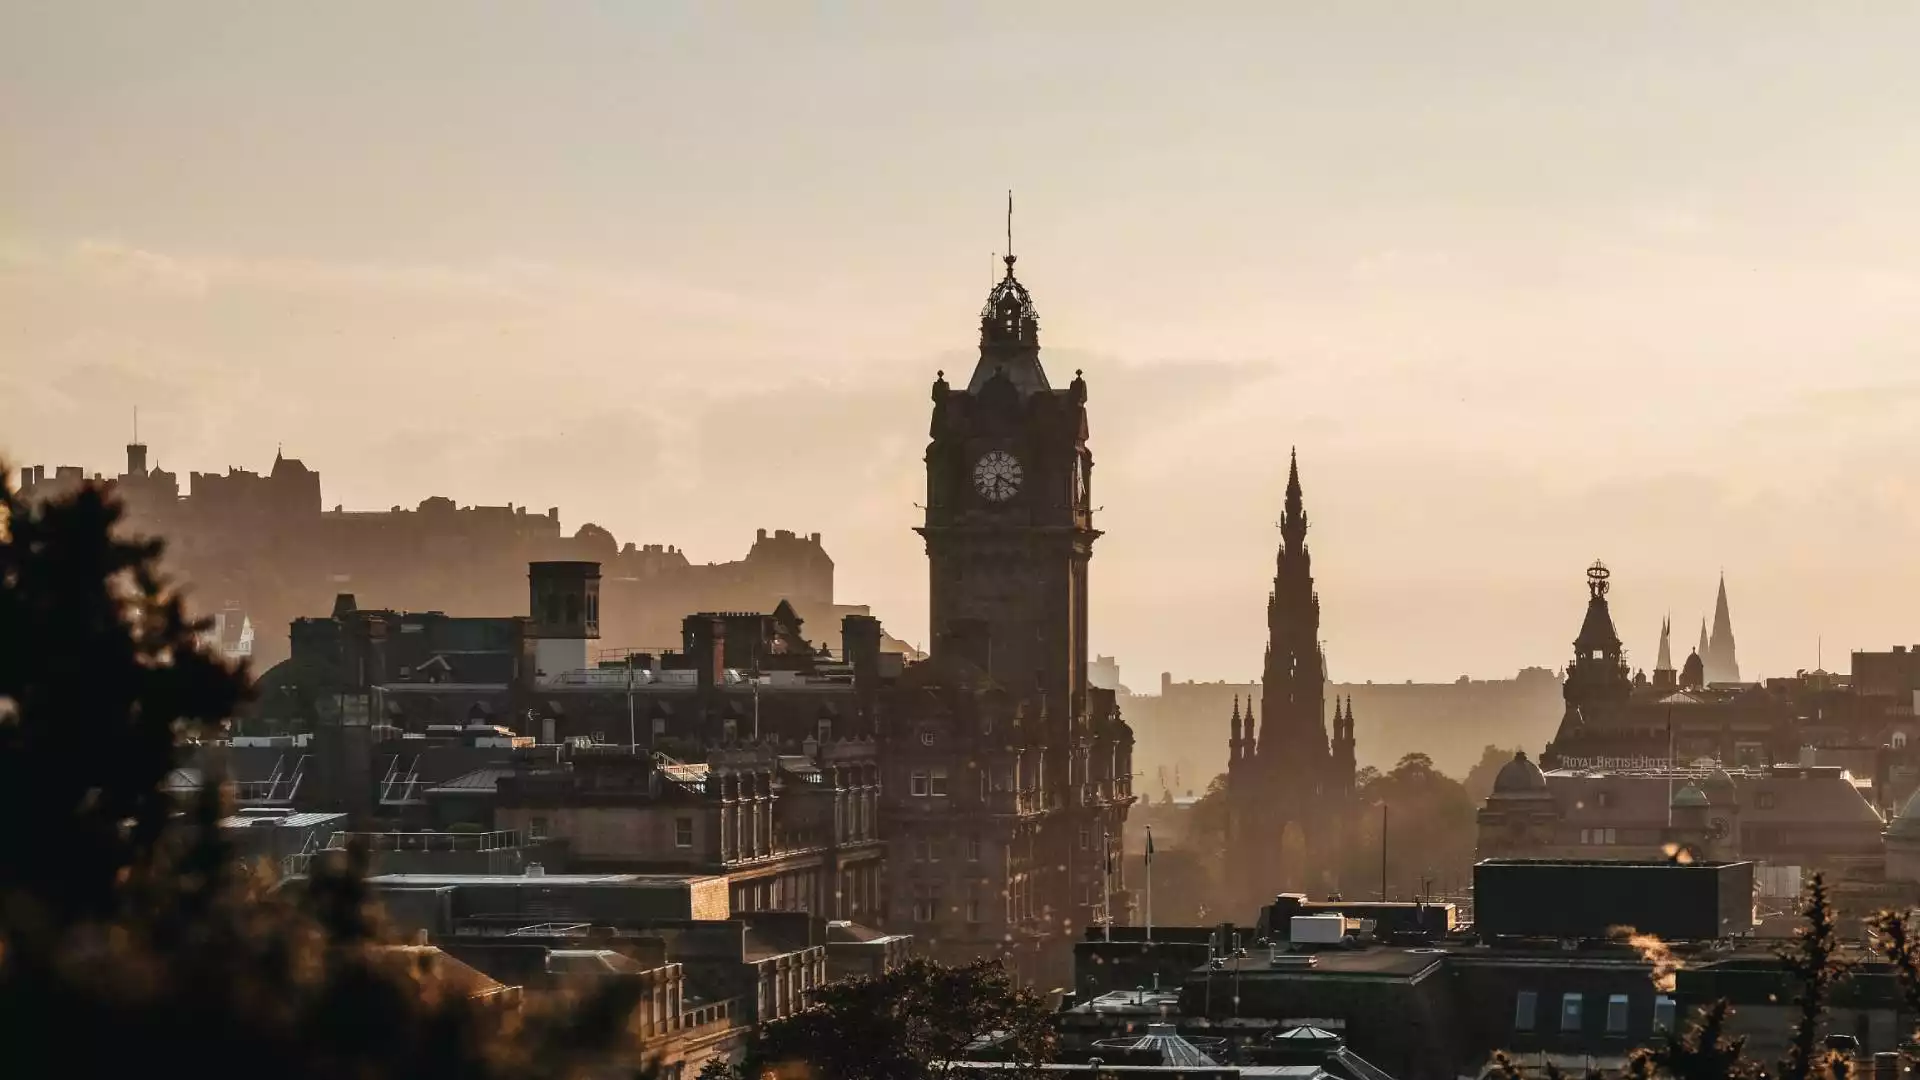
x=1149, y=884
x=1670, y=767
x=1106, y=883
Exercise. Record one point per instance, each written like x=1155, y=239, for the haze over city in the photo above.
x=1524, y=288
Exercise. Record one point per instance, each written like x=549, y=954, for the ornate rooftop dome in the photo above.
x=1719, y=784
x=1690, y=796
x=1520, y=777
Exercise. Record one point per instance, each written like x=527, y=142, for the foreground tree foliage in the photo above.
x=131, y=937
x=909, y=1024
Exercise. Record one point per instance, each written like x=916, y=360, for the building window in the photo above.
x=826, y=730
x=537, y=828
x=1603, y=799
x=937, y=783
x=659, y=726
x=1086, y=839
x=1570, y=1012
x=917, y=783
x=933, y=850
x=1764, y=800
x=973, y=849
x=1899, y=737
x=920, y=851
x=1599, y=836
x=1525, y=1005
x=973, y=909
x=683, y=832
x=1664, y=1013
x=984, y=788
x=1617, y=1014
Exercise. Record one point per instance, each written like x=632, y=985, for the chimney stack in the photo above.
x=706, y=649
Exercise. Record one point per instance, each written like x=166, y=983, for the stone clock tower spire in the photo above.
x=996, y=742
x=1009, y=529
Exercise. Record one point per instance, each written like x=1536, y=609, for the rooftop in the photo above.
x=1375, y=962
x=631, y=881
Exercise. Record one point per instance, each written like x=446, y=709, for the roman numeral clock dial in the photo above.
x=996, y=476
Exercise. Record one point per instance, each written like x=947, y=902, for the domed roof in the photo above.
x=1519, y=777
x=1906, y=824
x=1690, y=796
x=1719, y=782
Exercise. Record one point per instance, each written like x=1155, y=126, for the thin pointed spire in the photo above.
x=1009, y=228
x=1293, y=525
x=1723, y=664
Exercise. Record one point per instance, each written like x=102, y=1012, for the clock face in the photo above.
x=996, y=476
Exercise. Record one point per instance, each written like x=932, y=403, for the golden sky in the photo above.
x=1526, y=283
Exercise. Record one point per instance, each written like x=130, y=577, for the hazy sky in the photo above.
x=1526, y=283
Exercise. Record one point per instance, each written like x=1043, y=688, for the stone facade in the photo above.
x=1008, y=776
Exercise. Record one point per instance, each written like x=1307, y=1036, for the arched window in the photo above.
x=1899, y=740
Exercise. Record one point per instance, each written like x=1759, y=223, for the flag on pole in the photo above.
x=1149, y=845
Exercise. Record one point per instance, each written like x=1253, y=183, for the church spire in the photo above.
x=1722, y=664
x=1664, y=662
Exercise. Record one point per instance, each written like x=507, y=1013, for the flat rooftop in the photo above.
x=631, y=881
x=1376, y=962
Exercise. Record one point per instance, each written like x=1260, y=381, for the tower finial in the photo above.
x=1009, y=228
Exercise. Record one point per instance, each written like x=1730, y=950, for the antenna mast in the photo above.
x=1009, y=222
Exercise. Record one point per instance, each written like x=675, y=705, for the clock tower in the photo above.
x=1009, y=527
x=1007, y=778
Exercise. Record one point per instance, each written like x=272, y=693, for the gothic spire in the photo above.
x=1293, y=526
x=1722, y=664
x=1664, y=662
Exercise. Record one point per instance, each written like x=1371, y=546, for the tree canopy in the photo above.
x=912, y=1023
